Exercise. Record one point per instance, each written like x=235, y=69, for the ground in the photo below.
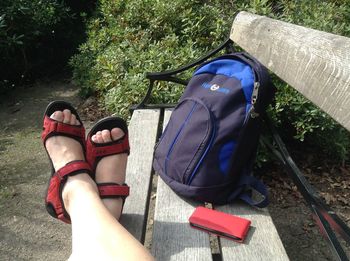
x=27, y=232
x=293, y=218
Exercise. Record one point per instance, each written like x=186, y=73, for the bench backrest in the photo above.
x=315, y=63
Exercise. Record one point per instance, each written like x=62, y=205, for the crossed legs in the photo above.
x=96, y=232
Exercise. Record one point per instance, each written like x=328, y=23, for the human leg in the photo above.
x=96, y=234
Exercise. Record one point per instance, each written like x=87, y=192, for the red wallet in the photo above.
x=220, y=223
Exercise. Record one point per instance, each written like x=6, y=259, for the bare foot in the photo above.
x=63, y=150
x=111, y=168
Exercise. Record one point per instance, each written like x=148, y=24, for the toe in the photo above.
x=67, y=116
x=106, y=136
x=57, y=115
x=116, y=133
x=73, y=120
x=94, y=138
x=99, y=137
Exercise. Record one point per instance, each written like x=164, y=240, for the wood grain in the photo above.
x=173, y=238
x=315, y=63
x=262, y=242
x=143, y=129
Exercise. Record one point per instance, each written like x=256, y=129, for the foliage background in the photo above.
x=37, y=37
x=128, y=38
x=125, y=39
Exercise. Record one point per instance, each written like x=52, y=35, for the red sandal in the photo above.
x=96, y=151
x=53, y=201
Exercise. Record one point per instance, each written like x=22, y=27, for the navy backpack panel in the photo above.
x=208, y=147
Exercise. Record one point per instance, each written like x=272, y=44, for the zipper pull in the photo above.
x=255, y=92
x=253, y=113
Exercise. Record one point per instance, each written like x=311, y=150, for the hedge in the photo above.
x=128, y=38
x=38, y=37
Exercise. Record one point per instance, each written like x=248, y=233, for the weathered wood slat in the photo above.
x=262, y=242
x=143, y=129
x=173, y=238
x=315, y=63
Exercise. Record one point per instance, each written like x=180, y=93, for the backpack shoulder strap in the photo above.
x=253, y=184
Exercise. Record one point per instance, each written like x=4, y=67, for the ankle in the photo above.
x=77, y=186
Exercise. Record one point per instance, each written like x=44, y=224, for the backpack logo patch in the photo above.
x=215, y=88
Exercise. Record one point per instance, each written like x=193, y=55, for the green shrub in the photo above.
x=128, y=38
x=37, y=37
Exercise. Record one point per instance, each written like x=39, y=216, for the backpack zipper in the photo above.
x=177, y=137
x=253, y=113
x=211, y=141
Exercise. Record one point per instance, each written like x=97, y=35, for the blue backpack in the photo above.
x=209, y=145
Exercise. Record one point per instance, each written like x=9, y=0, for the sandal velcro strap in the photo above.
x=105, y=149
x=73, y=168
x=52, y=127
x=54, y=202
x=113, y=190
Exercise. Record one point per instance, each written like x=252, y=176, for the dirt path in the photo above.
x=26, y=230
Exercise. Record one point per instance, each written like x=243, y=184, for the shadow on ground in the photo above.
x=26, y=231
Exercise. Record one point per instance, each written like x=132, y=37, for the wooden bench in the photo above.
x=152, y=204
x=173, y=238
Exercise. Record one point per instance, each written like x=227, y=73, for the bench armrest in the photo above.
x=170, y=76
